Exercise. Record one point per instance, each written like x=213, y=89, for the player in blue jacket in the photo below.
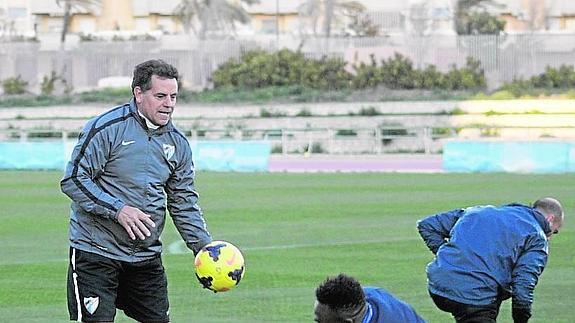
x=342, y=299
x=486, y=254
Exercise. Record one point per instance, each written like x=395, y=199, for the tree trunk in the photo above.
x=66, y=22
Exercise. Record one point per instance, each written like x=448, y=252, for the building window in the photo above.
x=269, y=26
x=16, y=12
x=142, y=24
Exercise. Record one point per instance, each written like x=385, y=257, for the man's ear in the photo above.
x=550, y=217
x=138, y=94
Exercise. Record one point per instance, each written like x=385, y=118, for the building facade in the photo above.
x=422, y=17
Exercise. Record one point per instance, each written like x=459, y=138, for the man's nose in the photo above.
x=169, y=101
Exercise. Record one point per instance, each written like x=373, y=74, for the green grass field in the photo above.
x=294, y=229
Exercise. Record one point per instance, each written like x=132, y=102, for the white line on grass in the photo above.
x=179, y=247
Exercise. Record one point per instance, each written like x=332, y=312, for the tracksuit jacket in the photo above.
x=119, y=161
x=383, y=307
x=486, y=254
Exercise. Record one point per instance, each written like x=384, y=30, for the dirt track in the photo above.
x=359, y=163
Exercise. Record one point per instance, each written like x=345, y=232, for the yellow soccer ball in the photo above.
x=219, y=266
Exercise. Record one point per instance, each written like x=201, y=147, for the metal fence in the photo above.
x=503, y=58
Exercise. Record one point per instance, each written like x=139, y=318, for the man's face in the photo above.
x=157, y=104
x=324, y=314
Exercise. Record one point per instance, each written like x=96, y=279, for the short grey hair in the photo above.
x=549, y=205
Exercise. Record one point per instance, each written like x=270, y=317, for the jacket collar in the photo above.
x=542, y=221
x=162, y=129
x=539, y=217
x=368, y=313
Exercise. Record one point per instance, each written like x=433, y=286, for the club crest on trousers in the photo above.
x=91, y=304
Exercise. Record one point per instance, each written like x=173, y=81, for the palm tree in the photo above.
x=202, y=16
x=68, y=5
x=329, y=10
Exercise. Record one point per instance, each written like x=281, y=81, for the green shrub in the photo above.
x=264, y=113
x=442, y=132
x=317, y=148
x=429, y=78
x=44, y=134
x=48, y=84
x=304, y=113
x=366, y=75
x=469, y=77
x=258, y=68
x=398, y=73
x=14, y=85
x=369, y=111
x=548, y=81
x=346, y=132
x=326, y=74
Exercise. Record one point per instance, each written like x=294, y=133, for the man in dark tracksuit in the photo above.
x=128, y=165
x=486, y=254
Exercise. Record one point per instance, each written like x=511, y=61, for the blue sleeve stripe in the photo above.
x=93, y=131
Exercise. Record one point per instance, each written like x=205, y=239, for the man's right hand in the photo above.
x=135, y=222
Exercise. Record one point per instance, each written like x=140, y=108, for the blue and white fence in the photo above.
x=506, y=156
x=244, y=156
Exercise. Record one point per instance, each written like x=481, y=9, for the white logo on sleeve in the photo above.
x=125, y=143
x=91, y=304
x=169, y=150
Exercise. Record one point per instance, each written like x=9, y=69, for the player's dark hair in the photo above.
x=143, y=73
x=340, y=293
x=552, y=206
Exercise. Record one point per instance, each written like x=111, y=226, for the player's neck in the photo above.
x=149, y=123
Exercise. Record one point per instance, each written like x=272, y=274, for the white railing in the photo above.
x=379, y=140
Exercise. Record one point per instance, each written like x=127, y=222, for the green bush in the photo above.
x=469, y=77
x=564, y=77
x=551, y=80
x=14, y=85
x=430, y=78
x=398, y=73
x=304, y=113
x=346, y=132
x=48, y=84
x=326, y=74
x=264, y=113
x=258, y=68
x=366, y=75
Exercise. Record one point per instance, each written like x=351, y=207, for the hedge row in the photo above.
x=552, y=79
x=258, y=68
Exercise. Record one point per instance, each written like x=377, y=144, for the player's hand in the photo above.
x=135, y=222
